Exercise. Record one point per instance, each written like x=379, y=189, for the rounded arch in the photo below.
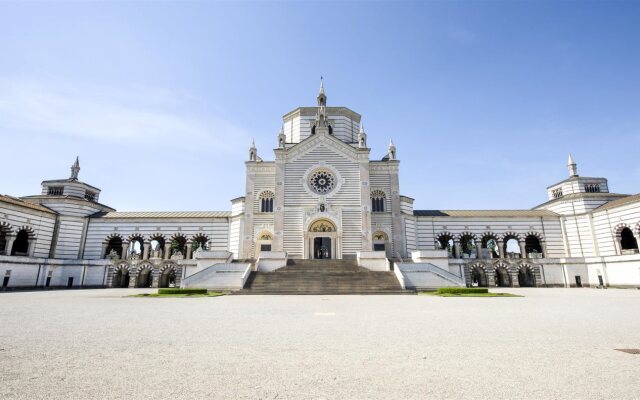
x=113, y=243
x=144, y=275
x=5, y=231
x=121, y=276
x=6, y=227
x=378, y=200
x=200, y=241
x=511, y=244
x=168, y=276
x=322, y=225
x=478, y=275
x=445, y=241
x=467, y=242
x=266, y=201
x=533, y=245
x=22, y=245
x=178, y=245
x=628, y=241
x=489, y=244
x=502, y=275
x=266, y=194
x=526, y=275
x=264, y=235
x=134, y=246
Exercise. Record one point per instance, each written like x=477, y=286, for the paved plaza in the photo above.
x=553, y=343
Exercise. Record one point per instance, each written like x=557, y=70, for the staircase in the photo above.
x=322, y=277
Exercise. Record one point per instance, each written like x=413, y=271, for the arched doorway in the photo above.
x=526, y=277
x=322, y=240
x=120, y=278
x=144, y=279
x=503, y=279
x=167, y=278
x=479, y=277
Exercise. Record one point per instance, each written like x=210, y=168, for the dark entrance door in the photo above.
x=321, y=248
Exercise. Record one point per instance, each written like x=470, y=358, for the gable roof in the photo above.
x=22, y=203
x=484, y=213
x=163, y=214
x=619, y=202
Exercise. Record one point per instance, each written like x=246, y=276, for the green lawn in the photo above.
x=469, y=294
x=209, y=294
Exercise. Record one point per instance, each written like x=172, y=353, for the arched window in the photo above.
x=200, y=242
x=136, y=245
x=21, y=244
x=380, y=240
x=3, y=241
x=115, y=245
x=533, y=247
x=266, y=201
x=377, y=200
x=178, y=245
x=628, y=241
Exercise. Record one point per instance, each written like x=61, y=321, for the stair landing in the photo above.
x=323, y=277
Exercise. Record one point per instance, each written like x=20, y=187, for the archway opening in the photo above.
x=121, y=278
x=490, y=245
x=144, y=279
x=533, y=247
x=479, y=277
x=512, y=247
x=200, y=242
x=468, y=245
x=178, y=246
x=167, y=278
x=627, y=241
x=526, y=278
x=21, y=244
x=445, y=242
x=503, y=279
x=380, y=241
x=114, y=245
x=135, y=248
x=156, y=247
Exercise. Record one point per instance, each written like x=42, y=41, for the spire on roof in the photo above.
x=75, y=169
x=322, y=98
x=573, y=167
x=391, y=150
x=362, y=137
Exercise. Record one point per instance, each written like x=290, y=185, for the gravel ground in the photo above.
x=98, y=344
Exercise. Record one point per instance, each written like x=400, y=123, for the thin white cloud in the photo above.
x=138, y=115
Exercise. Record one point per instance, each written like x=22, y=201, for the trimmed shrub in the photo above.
x=462, y=290
x=181, y=291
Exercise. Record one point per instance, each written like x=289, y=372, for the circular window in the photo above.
x=322, y=181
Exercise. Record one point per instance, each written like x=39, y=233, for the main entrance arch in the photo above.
x=322, y=240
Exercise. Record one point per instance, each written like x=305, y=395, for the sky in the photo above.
x=160, y=100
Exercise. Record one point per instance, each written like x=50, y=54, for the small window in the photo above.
x=592, y=188
x=378, y=246
x=55, y=190
x=377, y=201
x=265, y=247
x=556, y=193
x=91, y=196
x=266, y=201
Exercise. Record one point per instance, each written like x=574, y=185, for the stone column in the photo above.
x=523, y=250
x=501, y=248
x=10, y=239
x=145, y=250
x=133, y=278
x=32, y=247
x=155, y=278
x=479, y=249
x=104, y=250
x=189, y=247
x=167, y=250
x=125, y=247
x=543, y=244
x=457, y=249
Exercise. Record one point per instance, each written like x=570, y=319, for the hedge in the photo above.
x=461, y=290
x=181, y=291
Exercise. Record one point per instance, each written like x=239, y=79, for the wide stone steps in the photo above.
x=323, y=277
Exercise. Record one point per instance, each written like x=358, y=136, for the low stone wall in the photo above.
x=33, y=272
x=373, y=260
x=272, y=260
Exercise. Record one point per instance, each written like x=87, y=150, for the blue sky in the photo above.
x=484, y=101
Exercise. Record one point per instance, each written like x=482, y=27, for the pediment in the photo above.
x=323, y=139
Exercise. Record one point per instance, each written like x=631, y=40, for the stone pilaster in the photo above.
x=167, y=250
x=125, y=248
x=189, y=250
x=365, y=201
x=523, y=250
x=278, y=206
x=103, y=253
x=501, y=248
x=396, y=216
x=9, y=246
x=145, y=250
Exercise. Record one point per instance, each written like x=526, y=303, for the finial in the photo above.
x=75, y=169
x=253, y=143
x=391, y=143
x=321, y=85
x=573, y=167
x=361, y=127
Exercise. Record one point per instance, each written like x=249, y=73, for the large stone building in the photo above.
x=322, y=197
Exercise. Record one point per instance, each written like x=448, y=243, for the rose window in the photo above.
x=322, y=182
